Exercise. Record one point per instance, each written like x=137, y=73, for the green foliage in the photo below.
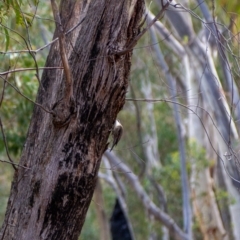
x=91, y=227
x=199, y=155
x=5, y=182
x=224, y=196
x=7, y=38
x=20, y=25
x=170, y=179
x=166, y=130
x=196, y=229
x=10, y=8
x=14, y=8
x=16, y=110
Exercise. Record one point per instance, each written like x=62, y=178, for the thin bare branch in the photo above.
x=28, y=69
x=29, y=51
x=202, y=123
x=68, y=85
x=6, y=145
x=15, y=164
x=3, y=90
x=159, y=215
x=17, y=90
x=46, y=45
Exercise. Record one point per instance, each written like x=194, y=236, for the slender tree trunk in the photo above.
x=51, y=195
x=187, y=211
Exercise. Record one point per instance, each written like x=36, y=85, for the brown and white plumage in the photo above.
x=117, y=132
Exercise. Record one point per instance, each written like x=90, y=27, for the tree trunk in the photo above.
x=51, y=194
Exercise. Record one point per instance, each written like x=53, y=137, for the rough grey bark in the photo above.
x=50, y=196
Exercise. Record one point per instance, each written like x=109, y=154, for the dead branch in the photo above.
x=61, y=38
x=63, y=109
x=27, y=69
